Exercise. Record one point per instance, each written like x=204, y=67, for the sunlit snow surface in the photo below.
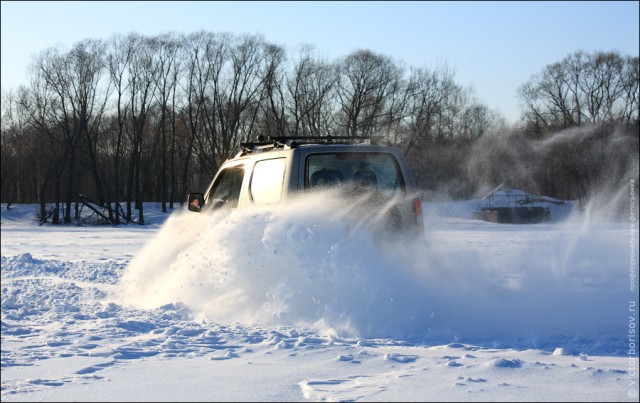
x=305, y=303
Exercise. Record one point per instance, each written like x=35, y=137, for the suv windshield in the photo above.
x=225, y=192
x=373, y=170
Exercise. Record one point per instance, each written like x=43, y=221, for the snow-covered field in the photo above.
x=304, y=304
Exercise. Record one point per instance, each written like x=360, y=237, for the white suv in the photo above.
x=269, y=173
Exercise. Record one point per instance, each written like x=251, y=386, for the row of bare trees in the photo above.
x=582, y=89
x=137, y=118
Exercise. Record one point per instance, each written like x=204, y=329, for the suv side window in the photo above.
x=225, y=192
x=267, y=180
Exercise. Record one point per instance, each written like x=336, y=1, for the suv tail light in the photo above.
x=417, y=211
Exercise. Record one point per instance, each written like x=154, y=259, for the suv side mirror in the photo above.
x=196, y=201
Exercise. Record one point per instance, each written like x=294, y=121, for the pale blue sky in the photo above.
x=494, y=47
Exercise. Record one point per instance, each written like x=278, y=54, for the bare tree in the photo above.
x=273, y=100
x=197, y=72
x=10, y=135
x=312, y=87
x=168, y=66
x=70, y=81
x=119, y=57
x=366, y=83
x=55, y=75
x=233, y=94
x=210, y=66
x=431, y=93
x=37, y=103
x=88, y=100
x=142, y=75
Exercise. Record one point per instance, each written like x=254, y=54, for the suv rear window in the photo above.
x=380, y=170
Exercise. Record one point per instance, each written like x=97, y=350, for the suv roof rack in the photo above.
x=294, y=141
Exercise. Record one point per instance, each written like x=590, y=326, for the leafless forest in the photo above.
x=136, y=118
